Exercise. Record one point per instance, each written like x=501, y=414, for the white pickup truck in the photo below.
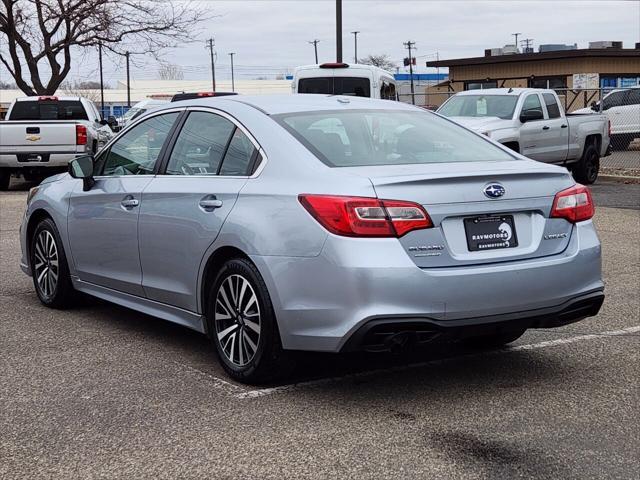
x=42, y=134
x=533, y=123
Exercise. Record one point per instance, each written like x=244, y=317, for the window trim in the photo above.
x=107, y=148
x=161, y=172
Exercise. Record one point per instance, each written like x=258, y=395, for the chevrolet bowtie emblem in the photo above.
x=33, y=138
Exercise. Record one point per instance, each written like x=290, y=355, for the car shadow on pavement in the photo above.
x=177, y=344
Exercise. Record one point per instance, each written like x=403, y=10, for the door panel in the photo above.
x=104, y=234
x=531, y=133
x=554, y=143
x=180, y=218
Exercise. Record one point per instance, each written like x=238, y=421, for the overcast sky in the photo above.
x=271, y=36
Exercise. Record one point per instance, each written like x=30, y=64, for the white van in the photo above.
x=345, y=79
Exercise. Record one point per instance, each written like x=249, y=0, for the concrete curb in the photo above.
x=619, y=178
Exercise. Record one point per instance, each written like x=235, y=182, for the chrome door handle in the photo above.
x=563, y=126
x=129, y=202
x=210, y=203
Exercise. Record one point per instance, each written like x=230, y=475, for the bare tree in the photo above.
x=48, y=31
x=169, y=71
x=381, y=61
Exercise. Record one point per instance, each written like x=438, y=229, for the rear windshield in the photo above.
x=354, y=86
x=48, y=110
x=349, y=138
x=501, y=106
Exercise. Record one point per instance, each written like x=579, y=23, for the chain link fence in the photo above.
x=621, y=106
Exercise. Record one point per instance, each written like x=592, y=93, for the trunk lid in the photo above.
x=453, y=192
x=25, y=136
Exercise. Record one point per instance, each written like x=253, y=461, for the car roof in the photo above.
x=38, y=97
x=292, y=103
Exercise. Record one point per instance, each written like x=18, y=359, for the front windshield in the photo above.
x=348, y=138
x=501, y=106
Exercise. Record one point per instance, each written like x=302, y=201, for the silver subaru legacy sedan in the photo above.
x=311, y=222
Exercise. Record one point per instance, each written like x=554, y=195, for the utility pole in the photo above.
x=339, y=31
x=409, y=45
x=101, y=80
x=355, y=40
x=233, y=84
x=527, y=43
x=315, y=47
x=516, y=35
x=210, y=45
x=126, y=54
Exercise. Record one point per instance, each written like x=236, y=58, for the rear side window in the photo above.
x=239, y=155
x=354, y=86
x=552, y=105
x=48, y=110
x=201, y=145
x=349, y=138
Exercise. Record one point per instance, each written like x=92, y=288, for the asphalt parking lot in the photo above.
x=101, y=391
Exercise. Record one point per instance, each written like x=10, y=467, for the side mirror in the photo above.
x=529, y=115
x=82, y=167
x=111, y=120
x=103, y=122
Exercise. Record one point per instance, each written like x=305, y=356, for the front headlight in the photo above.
x=32, y=193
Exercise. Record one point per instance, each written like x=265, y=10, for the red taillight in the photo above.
x=81, y=135
x=609, y=127
x=365, y=217
x=48, y=99
x=334, y=65
x=206, y=94
x=575, y=204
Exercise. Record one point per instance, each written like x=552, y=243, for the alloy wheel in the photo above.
x=237, y=320
x=46, y=263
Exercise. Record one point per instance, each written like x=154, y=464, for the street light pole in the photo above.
x=233, y=85
x=339, y=31
x=355, y=40
x=128, y=82
x=101, y=80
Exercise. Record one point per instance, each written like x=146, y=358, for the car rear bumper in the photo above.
x=47, y=160
x=321, y=302
x=382, y=334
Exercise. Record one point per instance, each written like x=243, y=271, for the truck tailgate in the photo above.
x=21, y=137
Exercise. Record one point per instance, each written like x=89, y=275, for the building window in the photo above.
x=481, y=85
x=553, y=83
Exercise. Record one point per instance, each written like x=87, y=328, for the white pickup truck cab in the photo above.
x=533, y=123
x=42, y=134
x=345, y=79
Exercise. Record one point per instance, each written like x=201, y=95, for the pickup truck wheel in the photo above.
x=586, y=170
x=5, y=180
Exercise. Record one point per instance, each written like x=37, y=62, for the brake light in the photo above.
x=574, y=204
x=334, y=65
x=81, y=135
x=366, y=217
x=206, y=94
x=609, y=128
x=48, y=99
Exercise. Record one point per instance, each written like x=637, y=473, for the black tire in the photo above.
x=494, y=340
x=5, y=180
x=587, y=168
x=263, y=359
x=59, y=293
x=620, y=142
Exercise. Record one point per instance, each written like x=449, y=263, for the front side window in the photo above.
x=532, y=103
x=351, y=138
x=136, y=152
x=552, y=105
x=201, y=144
x=501, y=106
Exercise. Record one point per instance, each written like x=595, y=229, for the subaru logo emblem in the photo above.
x=494, y=190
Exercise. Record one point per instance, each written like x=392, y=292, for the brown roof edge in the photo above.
x=523, y=57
